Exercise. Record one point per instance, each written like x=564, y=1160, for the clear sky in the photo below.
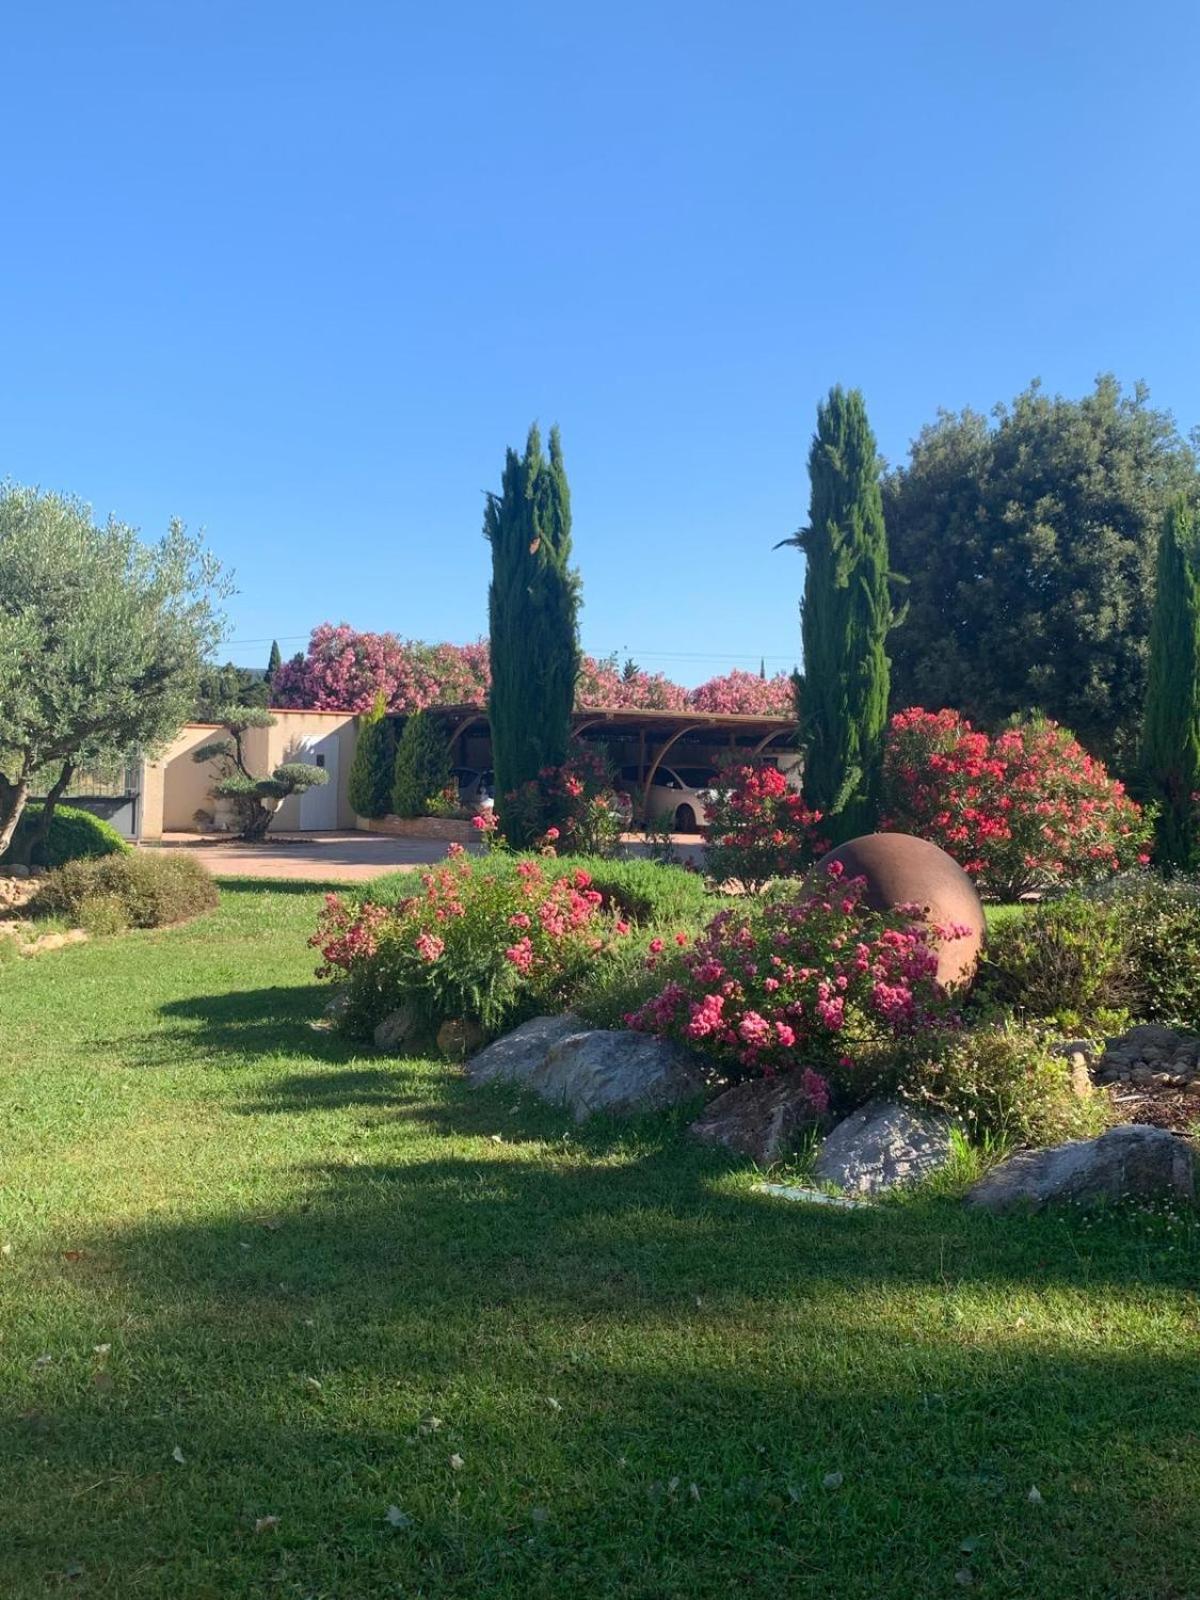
x=297, y=273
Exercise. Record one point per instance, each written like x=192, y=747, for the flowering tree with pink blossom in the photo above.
x=745, y=693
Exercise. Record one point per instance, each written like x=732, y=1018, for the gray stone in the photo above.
x=1129, y=1162
x=812, y=1197
x=883, y=1144
x=761, y=1118
x=616, y=1071
x=515, y=1057
x=398, y=1028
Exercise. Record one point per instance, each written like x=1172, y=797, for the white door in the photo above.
x=319, y=806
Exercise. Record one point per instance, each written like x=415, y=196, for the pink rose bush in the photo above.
x=485, y=940
x=801, y=986
x=1026, y=810
x=759, y=828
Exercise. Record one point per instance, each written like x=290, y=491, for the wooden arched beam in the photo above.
x=461, y=727
x=766, y=740
x=692, y=727
x=592, y=722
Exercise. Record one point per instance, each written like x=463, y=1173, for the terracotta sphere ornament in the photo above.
x=901, y=870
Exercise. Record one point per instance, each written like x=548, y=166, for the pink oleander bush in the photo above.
x=810, y=986
x=744, y=693
x=478, y=940
x=1026, y=810
x=759, y=828
x=575, y=808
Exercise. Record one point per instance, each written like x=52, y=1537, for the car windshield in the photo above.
x=697, y=777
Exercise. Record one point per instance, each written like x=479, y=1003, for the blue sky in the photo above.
x=298, y=273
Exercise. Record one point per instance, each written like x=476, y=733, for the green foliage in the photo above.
x=1161, y=925
x=74, y=834
x=846, y=615
x=533, y=603
x=1066, y=959
x=612, y=989
x=229, y=685
x=102, y=639
x=142, y=889
x=274, y=661
x=256, y=799
x=1171, y=732
x=1003, y=1084
x=1028, y=547
x=371, y=770
x=422, y=765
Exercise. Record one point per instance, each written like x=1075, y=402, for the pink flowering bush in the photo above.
x=745, y=693
x=759, y=828
x=575, y=806
x=603, y=683
x=803, y=986
x=1028, y=809
x=482, y=940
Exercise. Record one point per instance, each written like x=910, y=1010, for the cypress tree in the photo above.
x=274, y=662
x=1171, y=727
x=371, y=770
x=845, y=617
x=533, y=603
x=422, y=766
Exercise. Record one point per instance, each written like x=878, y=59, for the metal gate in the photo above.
x=108, y=792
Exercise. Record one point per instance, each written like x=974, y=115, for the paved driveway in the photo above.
x=334, y=857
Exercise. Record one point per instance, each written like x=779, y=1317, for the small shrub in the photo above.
x=809, y=985
x=612, y=989
x=422, y=766
x=152, y=889
x=1066, y=959
x=476, y=940
x=574, y=806
x=758, y=829
x=1028, y=810
x=1160, y=923
x=1003, y=1084
x=75, y=835
x=101, y=914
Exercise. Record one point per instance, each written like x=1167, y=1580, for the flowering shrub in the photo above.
x=787, y=985
x=1025, y=810
x=603, y=683
x=747, y=694
x=573, y=807
x=478, y=941
x=759, y=828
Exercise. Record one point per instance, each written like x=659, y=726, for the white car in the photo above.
x=678, y=794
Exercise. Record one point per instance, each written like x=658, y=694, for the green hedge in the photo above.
x=74, y=835
x=145, y=890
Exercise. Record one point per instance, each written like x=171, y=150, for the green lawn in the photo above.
x=653, y=1382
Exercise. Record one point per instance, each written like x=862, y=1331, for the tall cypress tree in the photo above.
x=845, y=617
x=369, y=786
x=275, y=660
x=533, y=605
x=1171, y=727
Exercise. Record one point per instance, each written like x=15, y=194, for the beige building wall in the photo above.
x=175, y=787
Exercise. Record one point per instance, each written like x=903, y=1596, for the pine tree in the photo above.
x=274, y=662
x=845, y=617
x=532, y=612
x=371, y=770
x=422, y=766
x=1171, y=726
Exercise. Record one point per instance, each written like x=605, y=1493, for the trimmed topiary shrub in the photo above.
x=137, y=890
x=422, y=769
x=371, y=770
x=75, y=835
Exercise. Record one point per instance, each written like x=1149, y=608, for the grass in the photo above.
x=229, y=1239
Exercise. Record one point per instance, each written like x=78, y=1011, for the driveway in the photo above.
x=339, y=857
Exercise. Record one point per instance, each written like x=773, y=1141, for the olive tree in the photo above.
x=102, y=640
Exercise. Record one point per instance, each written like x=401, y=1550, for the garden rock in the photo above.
x=884, y=1144
x=616, y=1071
x=761, y=1118
x=398, y=1028
x=1151, y=1053
x=1129, y=1162
x=515, y=1057
x=457, y=1037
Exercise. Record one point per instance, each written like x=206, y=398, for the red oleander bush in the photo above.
x=759, y=828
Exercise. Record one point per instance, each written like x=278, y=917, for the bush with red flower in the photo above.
x=481, y=940
x=577, y=802
x=759, y=828
x=802, y=985
x=1026, y=810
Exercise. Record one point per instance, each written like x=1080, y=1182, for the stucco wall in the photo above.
x=175, y=786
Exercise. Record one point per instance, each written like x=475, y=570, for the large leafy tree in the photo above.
x=533, y=608
x=1028, y=545
x=845, y=615
x=102, y=640
x=1171, y=733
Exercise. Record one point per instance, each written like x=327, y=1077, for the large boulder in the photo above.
x=901, y=870
x=1129, y=1162
x=884, y=1144
x=618, y=1072
x=761, y=1118
x=515, y=1057
x=590, y=1069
